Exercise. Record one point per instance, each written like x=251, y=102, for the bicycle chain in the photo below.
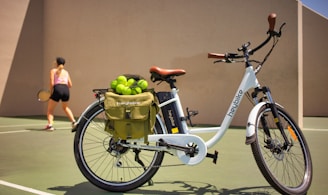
x=157, y=166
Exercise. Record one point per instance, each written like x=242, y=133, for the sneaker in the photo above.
x=74, y=125
x=49, y=128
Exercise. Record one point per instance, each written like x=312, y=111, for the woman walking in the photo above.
x=60, y=82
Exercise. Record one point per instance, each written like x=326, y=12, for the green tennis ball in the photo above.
x=113, y=84
x=143, y=84
x=119, y=88
x=122, y=80
x=126, y=91
x=131, y=82
x=138, y=90
x=133, y=91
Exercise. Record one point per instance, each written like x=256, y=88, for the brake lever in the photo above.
x=280, y=29
x=228, y=60
x=217, y=61
x=277, y=34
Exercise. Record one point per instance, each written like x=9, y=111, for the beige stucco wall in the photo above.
x=104, y=38
x=315, y=31
x=21, y=57
x=9, y=34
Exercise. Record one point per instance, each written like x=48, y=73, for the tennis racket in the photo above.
x=43, y=95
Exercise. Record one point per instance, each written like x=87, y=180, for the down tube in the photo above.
x=249, y=81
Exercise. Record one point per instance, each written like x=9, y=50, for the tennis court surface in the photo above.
x=34, y=161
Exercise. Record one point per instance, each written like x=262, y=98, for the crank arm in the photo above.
x=163, y=147
x=187, y=150
x=149, y=148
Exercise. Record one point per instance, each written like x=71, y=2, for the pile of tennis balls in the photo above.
x=128, y=86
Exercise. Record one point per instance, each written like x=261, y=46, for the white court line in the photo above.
x=18, y=131
x=314, y=129
x=25, y=131
x=23, y=188
x=24, y=125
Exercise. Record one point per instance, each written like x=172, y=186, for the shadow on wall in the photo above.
x=25, y=77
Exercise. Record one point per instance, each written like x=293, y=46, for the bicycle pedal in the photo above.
x=213, y=156
x=193, y=112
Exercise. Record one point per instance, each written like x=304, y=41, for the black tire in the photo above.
x=101, y=166
x=289, y=172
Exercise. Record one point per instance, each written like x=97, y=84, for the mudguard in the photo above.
x=90, y=107
x=250, y=128
x=160, y=122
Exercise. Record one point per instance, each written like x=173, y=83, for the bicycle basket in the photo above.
x=130, y=116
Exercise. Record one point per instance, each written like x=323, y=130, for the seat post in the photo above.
x=171, y=81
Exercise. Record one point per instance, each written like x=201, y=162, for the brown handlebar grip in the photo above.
x=216, y=55
x=272, y=21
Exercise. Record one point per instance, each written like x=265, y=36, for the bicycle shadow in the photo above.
x=176, y=187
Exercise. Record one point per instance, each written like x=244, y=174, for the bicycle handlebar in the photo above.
x=228, y=56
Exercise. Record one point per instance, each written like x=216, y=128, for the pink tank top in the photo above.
x=60, y=80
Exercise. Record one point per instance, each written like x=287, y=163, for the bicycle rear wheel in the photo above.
x=107, y=164
x=288, y=170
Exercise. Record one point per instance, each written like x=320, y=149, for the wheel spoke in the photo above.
x=287, y=168
x=107, y=164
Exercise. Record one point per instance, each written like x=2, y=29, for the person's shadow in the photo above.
x=178, y=187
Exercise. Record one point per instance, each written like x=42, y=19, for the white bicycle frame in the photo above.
x=249, y=81
x=189, y=134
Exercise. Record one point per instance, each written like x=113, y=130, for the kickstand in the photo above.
x=137, y=159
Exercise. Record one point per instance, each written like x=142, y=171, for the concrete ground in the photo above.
x=33, y=161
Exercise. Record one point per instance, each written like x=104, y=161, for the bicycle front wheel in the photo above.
x=287, y=168
x=105, y=163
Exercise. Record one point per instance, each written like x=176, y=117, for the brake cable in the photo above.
x=260, y=64
x=276, y=36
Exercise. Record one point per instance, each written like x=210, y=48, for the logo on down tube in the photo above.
x=235, y=103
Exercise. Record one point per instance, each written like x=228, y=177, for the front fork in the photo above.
x=273, y=107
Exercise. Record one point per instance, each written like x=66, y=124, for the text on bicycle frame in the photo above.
x=235, y=103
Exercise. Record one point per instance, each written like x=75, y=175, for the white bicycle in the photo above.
x=278, y=145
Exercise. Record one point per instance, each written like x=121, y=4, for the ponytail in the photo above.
x=60, y=64
x=60, y=67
